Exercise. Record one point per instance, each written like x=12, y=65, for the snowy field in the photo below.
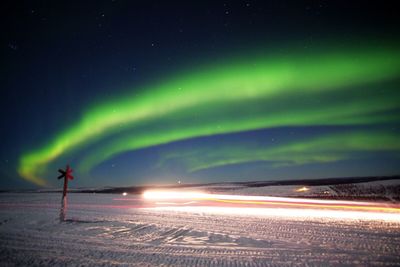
x=110, y=229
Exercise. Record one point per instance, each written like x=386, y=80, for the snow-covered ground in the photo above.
x=110, y=229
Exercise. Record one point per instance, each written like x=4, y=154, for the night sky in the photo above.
x=212, y=91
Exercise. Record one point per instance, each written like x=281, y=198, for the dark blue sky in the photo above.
x=60, y=59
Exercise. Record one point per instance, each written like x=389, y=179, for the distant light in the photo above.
x=179, y=182
x=124, y=193
x=302, y=189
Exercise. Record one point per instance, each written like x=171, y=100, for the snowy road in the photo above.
x=103, y=230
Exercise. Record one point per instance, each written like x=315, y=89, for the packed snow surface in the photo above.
x=110, y=229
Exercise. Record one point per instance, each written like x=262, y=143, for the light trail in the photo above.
x=303, y=205
x=301, y=214
x=175, y=203
x=272, y=206
x=198, y=195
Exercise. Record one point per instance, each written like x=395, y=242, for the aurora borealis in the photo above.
x=321, y=149
x=272, y=107
x=262, y=94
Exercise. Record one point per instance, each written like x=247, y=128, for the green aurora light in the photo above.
x=259, y=93
x=321, y=149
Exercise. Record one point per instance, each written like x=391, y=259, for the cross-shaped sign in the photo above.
x=66, y=173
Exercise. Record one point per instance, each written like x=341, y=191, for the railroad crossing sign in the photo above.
x=66, y=173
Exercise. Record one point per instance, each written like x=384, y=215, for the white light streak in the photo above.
x=272, y=206
x=303, y=214
x=169, y=195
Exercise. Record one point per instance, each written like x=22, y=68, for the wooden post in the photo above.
x=65, y=186
x=66, y=175
x=63, y=210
